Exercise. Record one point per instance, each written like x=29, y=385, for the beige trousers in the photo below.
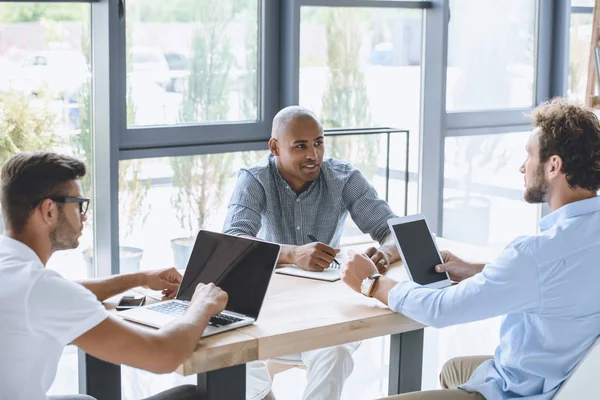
x=454, y=373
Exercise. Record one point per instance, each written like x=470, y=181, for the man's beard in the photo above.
x=64, y=237
x=538, y=191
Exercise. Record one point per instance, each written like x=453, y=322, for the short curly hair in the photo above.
x=571, y=132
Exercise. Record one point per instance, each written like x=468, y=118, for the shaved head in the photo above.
x=297, y=143
x=292, y=115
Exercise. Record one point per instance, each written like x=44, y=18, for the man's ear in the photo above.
x=49, y=211
x=274, y=146
x=555, y=165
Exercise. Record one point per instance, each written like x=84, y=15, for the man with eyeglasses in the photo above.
x=42, y=312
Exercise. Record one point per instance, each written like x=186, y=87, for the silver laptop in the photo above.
x=240, y=266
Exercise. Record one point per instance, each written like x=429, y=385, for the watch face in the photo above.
x=365, y=286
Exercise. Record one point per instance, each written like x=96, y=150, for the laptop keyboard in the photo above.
x=178, y=309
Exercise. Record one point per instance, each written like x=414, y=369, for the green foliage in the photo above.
x=345, y=101
x=178, y=10
x=207, y=95
x=133, y=190
x=249, y=80
x=26, y=124
x=35, y=12
x=201, y=180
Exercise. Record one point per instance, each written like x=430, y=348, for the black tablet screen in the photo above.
x=419, y=251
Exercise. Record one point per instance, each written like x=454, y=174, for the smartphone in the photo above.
x=128, y=302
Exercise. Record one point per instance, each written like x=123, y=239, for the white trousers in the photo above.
x=326, y=371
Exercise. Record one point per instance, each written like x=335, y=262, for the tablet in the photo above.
x=419, y=251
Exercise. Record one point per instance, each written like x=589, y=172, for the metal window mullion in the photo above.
x=487, y=118
x=561, y=21
x=543, y=52
x=270, y=35
x=491, y=130
x=582, y=10
x=107, y=37
x=419, y=5
x=433, y=113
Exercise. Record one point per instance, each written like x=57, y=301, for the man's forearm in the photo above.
x=287, y=255
x=180, y=338
x=388, y=246
x=105, y=288
x=382, y=289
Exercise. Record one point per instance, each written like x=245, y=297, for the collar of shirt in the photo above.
x=25, y=252
x=570, y=210
x=284, y=184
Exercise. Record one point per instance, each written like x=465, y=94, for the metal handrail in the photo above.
x=341, y=132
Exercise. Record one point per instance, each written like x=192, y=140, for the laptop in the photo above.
x=240, y=266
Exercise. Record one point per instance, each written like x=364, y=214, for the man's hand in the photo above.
x=357, y=269
x=167, y=280
x=210, y=296
x=314, y=256
x=457, y=269
x=380, y=258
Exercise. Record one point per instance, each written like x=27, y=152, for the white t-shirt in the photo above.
x=40, y=313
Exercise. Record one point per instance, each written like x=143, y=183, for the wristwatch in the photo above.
x=368, y=284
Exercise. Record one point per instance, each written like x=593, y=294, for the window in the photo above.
x=582, y=3
x=45, y=84
x=164, y=202
x=491, y=54
x=580, y=38
x=45, y=96
x=191, y=61
x=483, y=190
x=361, y=68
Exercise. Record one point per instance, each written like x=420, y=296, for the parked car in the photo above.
x=59, y=72
x=179, y=71
x=149, y=64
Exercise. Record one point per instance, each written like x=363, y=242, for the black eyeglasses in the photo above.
x=83, y=202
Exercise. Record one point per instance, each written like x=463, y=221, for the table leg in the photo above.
x=226, y=383
x=406, y=362
x=98, y=378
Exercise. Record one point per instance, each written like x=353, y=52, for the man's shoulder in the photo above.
x=548, y=246
x=332, y=168
x=261, y=171
x=17, y=277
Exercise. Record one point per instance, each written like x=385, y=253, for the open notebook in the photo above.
x=329, y=275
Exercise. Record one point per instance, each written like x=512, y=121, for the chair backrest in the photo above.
x=583, y=382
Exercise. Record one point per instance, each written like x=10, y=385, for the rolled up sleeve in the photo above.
x=368, y=211
x=245, y=207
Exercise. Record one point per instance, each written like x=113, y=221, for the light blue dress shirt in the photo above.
x=547, y=286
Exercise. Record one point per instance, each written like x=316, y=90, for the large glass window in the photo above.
x=361, y=68
x=45, y=78
x=191, y=61
x=491, y=54
x=582, y=3
x=483, y=190
x=580, y=38
x=45, y=83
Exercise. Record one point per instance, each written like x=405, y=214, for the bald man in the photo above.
x=291, y=194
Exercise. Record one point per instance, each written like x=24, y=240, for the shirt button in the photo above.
x=297, y=200
x=297, y=228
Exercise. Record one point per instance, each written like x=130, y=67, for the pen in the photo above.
x=314, y=239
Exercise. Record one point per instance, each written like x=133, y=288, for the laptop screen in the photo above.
x=242, y=267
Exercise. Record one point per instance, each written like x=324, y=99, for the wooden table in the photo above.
x=297, y=315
